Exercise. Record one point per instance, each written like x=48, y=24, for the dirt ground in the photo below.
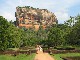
x=43, y=56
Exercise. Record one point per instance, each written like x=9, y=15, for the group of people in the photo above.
x=39, y=49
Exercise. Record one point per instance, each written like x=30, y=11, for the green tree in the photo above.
x=55, y=37
x=10, y=36
x=74, y=36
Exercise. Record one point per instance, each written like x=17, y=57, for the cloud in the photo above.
x=8, y=16
x=60, y=8
x=62, y=16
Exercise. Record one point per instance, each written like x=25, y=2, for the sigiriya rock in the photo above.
x=30, y=17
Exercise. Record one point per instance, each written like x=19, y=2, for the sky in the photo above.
x=63, y=9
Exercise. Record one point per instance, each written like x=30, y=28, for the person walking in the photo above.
x=37, y=49
x=40, y=49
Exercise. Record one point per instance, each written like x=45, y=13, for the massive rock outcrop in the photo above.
x=30, y=17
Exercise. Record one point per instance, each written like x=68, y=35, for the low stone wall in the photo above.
x=61, y=51
x=71, y=58
x=17, y=52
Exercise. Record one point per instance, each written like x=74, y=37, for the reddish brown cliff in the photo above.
x=30, y=17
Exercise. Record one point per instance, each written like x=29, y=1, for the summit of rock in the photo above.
x=30, y=17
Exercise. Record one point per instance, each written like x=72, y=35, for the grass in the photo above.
x=57, y=56
x=18, y=57
x=15, y=49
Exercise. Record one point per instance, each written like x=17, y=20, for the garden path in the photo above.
x=43, y=56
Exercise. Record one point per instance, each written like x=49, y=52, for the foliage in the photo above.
x=73, y=37
x=55, y=35
x=10, y=36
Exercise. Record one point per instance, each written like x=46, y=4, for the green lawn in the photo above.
x=19, y=57
x=57, y=56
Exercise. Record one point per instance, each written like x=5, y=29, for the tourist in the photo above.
x=40, y=49
x=37, y=49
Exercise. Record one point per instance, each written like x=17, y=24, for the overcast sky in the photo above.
x=63, y=9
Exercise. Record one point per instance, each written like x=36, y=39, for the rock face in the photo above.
x=30, y=17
